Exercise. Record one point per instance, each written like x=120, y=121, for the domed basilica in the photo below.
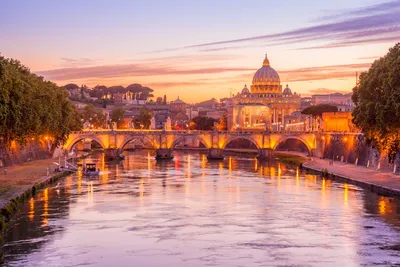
x=265, y=105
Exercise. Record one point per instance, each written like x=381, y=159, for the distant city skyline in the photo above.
x=200, y=50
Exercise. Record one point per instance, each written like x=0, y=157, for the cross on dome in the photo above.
x=266, y=60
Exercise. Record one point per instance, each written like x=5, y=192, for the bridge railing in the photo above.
x=148, y=131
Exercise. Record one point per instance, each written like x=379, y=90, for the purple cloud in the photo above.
x=131, y=70
x=369, y=23
x=373, y=9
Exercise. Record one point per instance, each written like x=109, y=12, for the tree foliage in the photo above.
x=143, y=120
x=32, y=107
x=377, y=100
x=93, y=115
x=71, y=86
x=117, y=115
x=223, y=123
x=202, y=123
x=317, y=110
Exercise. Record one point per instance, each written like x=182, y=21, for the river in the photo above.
x=191, y=212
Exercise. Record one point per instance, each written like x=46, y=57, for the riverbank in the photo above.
x=380, y=182
x=21, y=181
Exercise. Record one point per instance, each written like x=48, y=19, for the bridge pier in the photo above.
x=112, y=154
x=164, y=154
x=215, y=154
x=265, y=154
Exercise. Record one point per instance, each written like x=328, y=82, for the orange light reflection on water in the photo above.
x=31, y=208
x=45, y=207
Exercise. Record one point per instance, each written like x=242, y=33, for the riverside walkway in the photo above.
x=20, y=178
x=377, y=181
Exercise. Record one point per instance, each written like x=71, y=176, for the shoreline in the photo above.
x=12, y=205
x=368, y=179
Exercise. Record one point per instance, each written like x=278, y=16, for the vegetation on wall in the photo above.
x=377, y=100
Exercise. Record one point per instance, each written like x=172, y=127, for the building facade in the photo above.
x=265, y=105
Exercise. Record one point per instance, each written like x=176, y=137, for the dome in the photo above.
x=287, y=91
x=266, y=75
x=245, y=90
x=178, y=101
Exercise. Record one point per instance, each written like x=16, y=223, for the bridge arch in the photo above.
x=233, y=138
x=68, y=147
x=302, y=140
x=183, y=137
x=142, y=139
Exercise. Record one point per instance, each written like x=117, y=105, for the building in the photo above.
x=160, y=113
x=179, y=118
x=192, y=112
x=338, y=122
x=265, y=104
x=216, y=114
x=336, y=99
x=177, y=106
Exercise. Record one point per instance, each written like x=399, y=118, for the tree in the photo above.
x=202, y=123
x=317, y=110
x=32, y=107
x=143, y=120
x=223, y=123
x=377, y=100
x=117, y=115
x=93, y=115
x=71, y=86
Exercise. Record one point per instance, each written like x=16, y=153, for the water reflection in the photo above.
x=191, y=212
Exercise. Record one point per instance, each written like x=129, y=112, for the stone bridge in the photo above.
x=165, y=141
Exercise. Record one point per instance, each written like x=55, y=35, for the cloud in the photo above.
x=76, y=62
x=132, y=70
x=373, y=9
x=356, y=26
x=184, y=59
x=322, y=72
x=327, y=91
x=354, y=42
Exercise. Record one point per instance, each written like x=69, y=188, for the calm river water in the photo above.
x=190, y=212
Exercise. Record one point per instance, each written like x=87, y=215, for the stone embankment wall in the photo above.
x=355, y=150
x=18, y=154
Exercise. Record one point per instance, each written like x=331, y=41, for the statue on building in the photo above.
x=167, y=125
x=153, y=123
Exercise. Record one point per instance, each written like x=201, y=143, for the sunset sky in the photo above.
x=199, y=49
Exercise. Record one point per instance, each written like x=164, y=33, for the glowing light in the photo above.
x=45, y=207
x=90, y=191
x=203, y=161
